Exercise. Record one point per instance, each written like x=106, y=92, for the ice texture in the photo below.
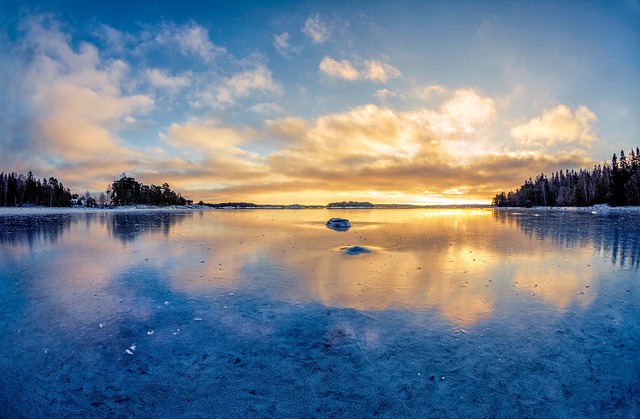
x=456, y=313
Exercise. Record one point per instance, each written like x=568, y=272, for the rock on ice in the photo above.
x=339, y=224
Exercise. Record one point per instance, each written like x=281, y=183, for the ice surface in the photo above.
x=463, y=313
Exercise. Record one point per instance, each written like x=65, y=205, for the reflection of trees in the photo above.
x=618, y=236
x=128, y=226
x=38, y=229
x=20, y=230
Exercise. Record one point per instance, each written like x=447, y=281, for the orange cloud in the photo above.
x=371, y=70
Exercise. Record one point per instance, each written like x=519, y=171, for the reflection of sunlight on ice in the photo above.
x=461, y=263
x=417, y=261
x=555, y=281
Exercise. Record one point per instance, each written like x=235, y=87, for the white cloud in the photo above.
x=557, y=126
x=467, y=110
x=282, y=45
x=246, y=83
x=162, y=78
x=189, y=39
x=339, y=69
x=315, y=29
x=116, y=41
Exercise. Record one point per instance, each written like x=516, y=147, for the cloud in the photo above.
x=210, y=154
x=315, y=29
x=246, y=83
x=282, y=45
x=382, y=149
x=467, y=110
x=162, y=78
x=375, y=71
x=189, y=39
x=76, y=100
x=116, y=41
x=559, y=125
x=379, y=71
x=241, y=85
x=431, y=91
x=383, y=94
x=266, y=108
x=71, y=110
x=367, y=148
x=339, y=69
x=291, y=130
x=69, y=106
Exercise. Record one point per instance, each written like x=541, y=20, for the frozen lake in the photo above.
x=260, y=313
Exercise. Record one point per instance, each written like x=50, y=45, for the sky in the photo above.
x=416, y=102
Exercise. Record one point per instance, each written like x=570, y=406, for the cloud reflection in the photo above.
x=466, y=265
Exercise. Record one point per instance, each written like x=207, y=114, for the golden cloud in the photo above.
x=376, y=71
x=339, y=69
x=76, y=100
x=379, y=71
x=559, y=125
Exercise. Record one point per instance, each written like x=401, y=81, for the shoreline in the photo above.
x=9, y=211
x=599, y=209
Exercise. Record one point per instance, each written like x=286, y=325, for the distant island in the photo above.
x=350, y=204
x=616, y=185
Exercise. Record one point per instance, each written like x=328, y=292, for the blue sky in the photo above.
x=282, y=102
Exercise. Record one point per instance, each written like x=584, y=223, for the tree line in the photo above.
x=617, y=184
x=20, y=190
x=128, y=191
x=17, y=190
x=350, y=204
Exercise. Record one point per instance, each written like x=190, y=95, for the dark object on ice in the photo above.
x=356, y=250
x=339, y=224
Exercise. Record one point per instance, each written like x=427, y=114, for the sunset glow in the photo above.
x=312, y=102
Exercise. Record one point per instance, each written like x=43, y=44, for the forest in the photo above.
x=128, y=191
x=617, y=184
x=18, y=190
x=23, y=190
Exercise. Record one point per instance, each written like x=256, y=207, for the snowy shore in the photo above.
x=8, y=211
x=601, y=209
